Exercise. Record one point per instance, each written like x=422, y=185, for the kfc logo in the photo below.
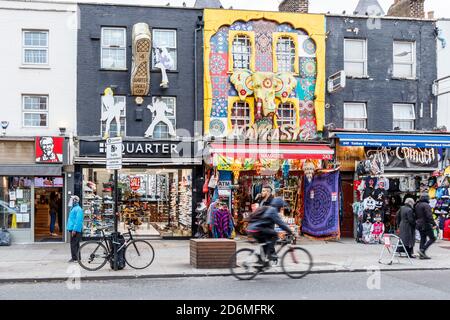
x=49, y=150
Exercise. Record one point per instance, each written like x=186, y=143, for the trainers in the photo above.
x=72, y=260
x=140, y=72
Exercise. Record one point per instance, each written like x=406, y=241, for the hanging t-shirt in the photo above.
x=404, y=184
x=394, y=185
x=368, y=192
x=432, y=193
x=412, y=184
x=371, y=182
x=369, y=204
x=379, y=195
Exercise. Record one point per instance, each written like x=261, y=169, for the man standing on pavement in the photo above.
x=266, y=195
x=425, y=224
x=75, y=226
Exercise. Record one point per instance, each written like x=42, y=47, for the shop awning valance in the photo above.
x=273, y=151
x=394, y=140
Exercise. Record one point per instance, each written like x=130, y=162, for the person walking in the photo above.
x=53, y=213
x=75, y=226
x=425, y=224
x=406, y=220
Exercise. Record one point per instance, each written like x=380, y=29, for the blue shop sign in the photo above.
x=393, y=141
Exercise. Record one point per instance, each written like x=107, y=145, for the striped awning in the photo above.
x=394, y=140
x=273, y=151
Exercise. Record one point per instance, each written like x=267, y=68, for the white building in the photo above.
x=38, y=99
x=443, y=58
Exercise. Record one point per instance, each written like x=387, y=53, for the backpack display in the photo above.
x=5, y=238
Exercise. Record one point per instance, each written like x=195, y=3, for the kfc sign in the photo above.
x=135, y=183
x=49, y=149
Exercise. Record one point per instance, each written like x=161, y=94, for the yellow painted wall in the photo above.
x=313, y=24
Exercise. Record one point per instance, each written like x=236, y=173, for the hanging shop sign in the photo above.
x=347, y=156
x=405, y=158
x=140, y=149
x=49, y=149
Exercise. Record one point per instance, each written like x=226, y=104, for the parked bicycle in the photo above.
x=94, y=254
x=296, y=262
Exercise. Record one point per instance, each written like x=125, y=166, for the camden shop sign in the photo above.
x=405, y=158
x=140, y=149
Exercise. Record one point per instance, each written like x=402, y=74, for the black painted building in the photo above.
x=138, y=78
x=390, y=65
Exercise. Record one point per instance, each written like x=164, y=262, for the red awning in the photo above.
x=273, y=151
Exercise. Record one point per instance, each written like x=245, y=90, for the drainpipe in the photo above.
x=200, y=25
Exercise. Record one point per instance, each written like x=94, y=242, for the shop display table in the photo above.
x=211, y=253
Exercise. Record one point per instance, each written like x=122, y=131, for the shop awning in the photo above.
x=273, y=151
x=394, y=140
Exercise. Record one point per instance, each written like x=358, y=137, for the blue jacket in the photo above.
x=268, y=219
x=76, y=218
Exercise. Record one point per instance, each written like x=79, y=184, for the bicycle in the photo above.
x=93, y=255
x=296, y=262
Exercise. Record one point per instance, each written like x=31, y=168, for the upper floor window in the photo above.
x=240, y=114
x=286, y=54
x=35, y=111
x=163, y=129
x=111, y=126
x=404, y=59
x=286, y=114
x=114, y=52
x=404, y=117
x=241, y=52
x=35, y=47
x=355, y=57
x=355, y=116
x=164, y=42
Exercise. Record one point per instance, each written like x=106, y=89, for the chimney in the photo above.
x=408, y=8
x=301, y=6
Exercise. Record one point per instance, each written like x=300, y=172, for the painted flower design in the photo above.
x=217, y=64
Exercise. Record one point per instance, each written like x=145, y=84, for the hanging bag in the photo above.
x=205, y=185
x=213, y=181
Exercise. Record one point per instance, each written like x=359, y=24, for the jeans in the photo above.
x=424, y=233
x=270, y=237
x=75, y=244
x=52, y=221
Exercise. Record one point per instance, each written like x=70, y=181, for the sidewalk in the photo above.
x=48, y=261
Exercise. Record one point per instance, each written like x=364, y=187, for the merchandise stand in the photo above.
x=391, y=248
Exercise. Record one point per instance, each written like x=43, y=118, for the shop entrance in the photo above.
x=347, y=227
x=48, y=210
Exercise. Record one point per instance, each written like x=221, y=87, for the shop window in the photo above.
x=404, y=117
x=113, y=51
x=164, y=40
x=162, y=130
x=113, y=126
x=355, y=116
x=35, y=111
x=286, y=114
x=355, y=57
x=404, y=59
x=15, y=202
x=286, y=54
x=240, y=114
x=35, y=47
x=241, y=52
x=157, y=201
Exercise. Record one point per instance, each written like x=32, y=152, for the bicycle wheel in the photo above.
x=296, y=262
x=245, y=264
x=92, y=255
x=139, y=254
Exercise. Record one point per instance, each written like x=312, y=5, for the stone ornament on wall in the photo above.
x=159, y=110
x=164, y=62
x=111, y=111
x=140, y=70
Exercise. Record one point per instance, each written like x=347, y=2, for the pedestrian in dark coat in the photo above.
x=406, y=221
x=425, y=224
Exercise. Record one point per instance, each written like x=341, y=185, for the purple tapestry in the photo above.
x=321, y=217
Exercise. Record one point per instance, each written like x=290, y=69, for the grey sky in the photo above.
x=441, y=7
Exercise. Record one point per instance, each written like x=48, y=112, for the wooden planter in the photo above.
x=211, y=253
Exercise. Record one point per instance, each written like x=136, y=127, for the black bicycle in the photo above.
x=93, y=255
x=296, y=262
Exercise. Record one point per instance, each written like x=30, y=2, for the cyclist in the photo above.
x=262, y=226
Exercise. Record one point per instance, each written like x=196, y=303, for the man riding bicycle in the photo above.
x=262, y=226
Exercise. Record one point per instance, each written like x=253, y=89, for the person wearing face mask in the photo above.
x=75, y=226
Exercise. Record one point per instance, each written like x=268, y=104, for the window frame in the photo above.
x=25, y=111
x=296, y=107
x=294, y=37
x=124, y=116
x=413, y=120
x=25, y=47
x=364, y=61
x=174, y=117
x=102, y=47
x=251, y=105
x=232, y=34
x=176, y=47
x=413, y=64
x=353, y=119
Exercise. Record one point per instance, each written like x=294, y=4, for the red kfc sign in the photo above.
x=49, y=149
x=135, y=183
